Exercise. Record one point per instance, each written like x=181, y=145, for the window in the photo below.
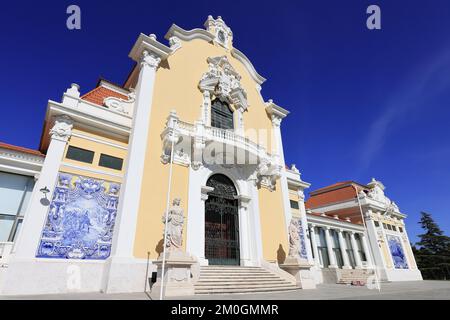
x=15, y=192
x=400, y=229
x=221, y=115
x=322, y=248
x=384, y=226
x=389, y=227
x=394, y=228
x=294, y=204
x=359, y=245
x=377, y=224
x=337, y=248
x=79, y=154
x=110, y=162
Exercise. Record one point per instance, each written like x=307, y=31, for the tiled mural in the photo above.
x=303, y=253
x=398, y=256
x=80, y=219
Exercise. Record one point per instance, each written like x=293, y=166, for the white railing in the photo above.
x=221, y=135
x=5, y=251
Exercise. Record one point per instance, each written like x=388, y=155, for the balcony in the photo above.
x=198, y=145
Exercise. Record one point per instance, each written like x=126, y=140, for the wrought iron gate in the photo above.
x=222, y=223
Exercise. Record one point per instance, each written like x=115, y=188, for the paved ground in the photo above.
x=390, y=291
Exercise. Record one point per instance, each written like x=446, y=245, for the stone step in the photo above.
x=247, y=290
x=237, y=278
x=234, y=279
x=241, y=283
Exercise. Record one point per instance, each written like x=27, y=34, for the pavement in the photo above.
x=414, y=290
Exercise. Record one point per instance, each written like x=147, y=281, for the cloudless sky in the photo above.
x=363, y=103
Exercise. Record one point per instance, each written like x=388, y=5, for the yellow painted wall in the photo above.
x=98, y=148
x=386, y=254
x=273, y=225
x=176, y=87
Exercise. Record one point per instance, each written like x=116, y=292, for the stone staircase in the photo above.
x=235, y=279
x=347, y=276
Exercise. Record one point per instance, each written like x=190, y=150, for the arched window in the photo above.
x=221, y=115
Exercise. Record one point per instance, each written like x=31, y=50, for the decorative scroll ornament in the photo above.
x=376, y=192
x=175, y=221
x=62, y=129
x=224, y=82
x=120, y=105
x=268, y=172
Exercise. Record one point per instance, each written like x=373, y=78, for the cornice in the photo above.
x=188, y=35
x=150, y=44
x=250, y=68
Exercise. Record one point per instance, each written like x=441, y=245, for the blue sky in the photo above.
x=363, y=103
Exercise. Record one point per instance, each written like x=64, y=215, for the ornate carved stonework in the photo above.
x=121, y=105
x=175, y=43
x=376, y=192
x=149, y=60
x=223, y=81
x=62, y=129
x=175, y=221
x=268, y=172
x=220, y=30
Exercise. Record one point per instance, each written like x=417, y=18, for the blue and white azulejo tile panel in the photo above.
x=396, y=249
x=80, y=220
x=303, y=244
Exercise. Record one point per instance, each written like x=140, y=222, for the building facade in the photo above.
x=189, y=123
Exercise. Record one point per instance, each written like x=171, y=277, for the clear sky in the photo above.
x=363, y=103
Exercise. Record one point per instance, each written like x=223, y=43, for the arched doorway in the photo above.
x=222, y=222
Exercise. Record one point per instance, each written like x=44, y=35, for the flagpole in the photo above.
x=167, y=213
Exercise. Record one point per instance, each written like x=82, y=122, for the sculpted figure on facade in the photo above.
x=175, y=221
x=294, y=239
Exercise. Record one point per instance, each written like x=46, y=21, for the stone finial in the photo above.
x=73, y=91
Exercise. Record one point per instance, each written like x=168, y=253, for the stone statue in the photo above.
x=294, y=239
x=175, y=220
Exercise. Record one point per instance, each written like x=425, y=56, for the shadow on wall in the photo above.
x=281, y=254
x=159, y=247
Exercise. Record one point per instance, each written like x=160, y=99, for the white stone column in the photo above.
x=244, y=231
x=331, y=255
x=125, y=227
x=366, y=250
x=344, y=250
x=278, y=149
x=407, y=245
x=312, y=236
x=195, y=227
x=256, y=220
x=36, y=214
x=355, y=251
x=372, y=234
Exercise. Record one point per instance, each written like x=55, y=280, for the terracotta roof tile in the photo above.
x=21, y=149
x=99, y=94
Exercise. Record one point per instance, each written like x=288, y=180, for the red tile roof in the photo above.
x=337, y=192
x=21, y=149
x=99, y=94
